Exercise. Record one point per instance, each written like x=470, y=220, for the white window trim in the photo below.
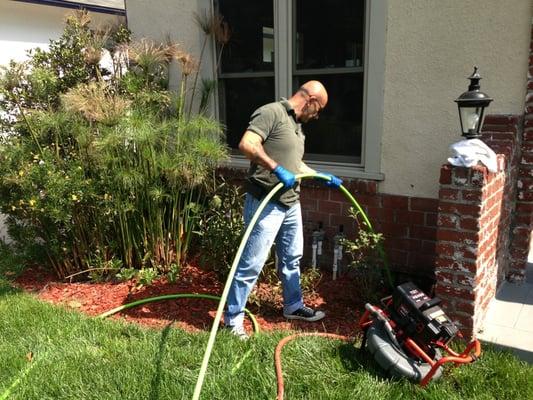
x=373, y=93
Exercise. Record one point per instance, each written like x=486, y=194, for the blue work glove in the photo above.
x=334, y=182
x=285, y=176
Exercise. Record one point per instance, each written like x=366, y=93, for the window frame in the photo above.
x=373, y=92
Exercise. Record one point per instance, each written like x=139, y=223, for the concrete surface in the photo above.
x=509, y=321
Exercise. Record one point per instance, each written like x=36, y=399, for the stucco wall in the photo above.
x=24, y=26
x=432, y=46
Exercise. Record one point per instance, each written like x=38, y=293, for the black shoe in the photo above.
x=306, y=314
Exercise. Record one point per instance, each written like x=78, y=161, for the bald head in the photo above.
x=309, y=100
x=316, y=89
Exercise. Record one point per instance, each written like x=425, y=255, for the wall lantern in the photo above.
x=472, y=108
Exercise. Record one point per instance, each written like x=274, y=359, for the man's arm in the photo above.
x=251, y=145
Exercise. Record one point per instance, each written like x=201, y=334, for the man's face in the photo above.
x=311, y=110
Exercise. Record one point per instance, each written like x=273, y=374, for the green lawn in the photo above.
x=76, y=357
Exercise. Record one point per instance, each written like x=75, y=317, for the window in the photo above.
x=276, y=45
x=247, y=63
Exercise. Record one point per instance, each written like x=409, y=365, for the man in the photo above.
x=274, y=143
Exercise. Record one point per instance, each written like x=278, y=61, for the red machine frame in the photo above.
x=414, y=349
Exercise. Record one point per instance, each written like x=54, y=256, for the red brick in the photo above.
x=523, y=219
x=449, y=235
x=445, y=175
x=525, y=171
x=395, y=202
x=422, y=204
x=468, y=253
x=314, y=216
x=369, y=200
x=479, y=177
x=337, y=195
x=501, y=119
x=428, y=247
x=404, y=244
x=472, y=195
x=448, y=221
x=445, y=249
x=449, y=194
x=521, y=241
x=462, y=266
x=467, y=280
x=431, y=219
x=518, y=254
x=460, y=209
x=409, y=217
x=419, y=260
x=381, y=214
x=518, y=265
x=423, y=232
x=397, y=257
x=460, y=176
x=526, y=159
x=500, y=135
x=329, y=207
x=372, y=187
x=309, y=204
x=447, y=291
x=445, y=277
x=465, y=324
x=528, y=134
x=350, y=225
x=469, y=223
x=394, y=230
x=525, y=195
x=527, y=147
x=467, y=307
x=315, y=193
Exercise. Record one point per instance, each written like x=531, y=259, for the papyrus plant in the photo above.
x=102, y=168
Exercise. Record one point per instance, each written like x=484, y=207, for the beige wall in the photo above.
x=432, y=46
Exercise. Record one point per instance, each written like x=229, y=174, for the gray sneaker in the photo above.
x=238, y=331
x=306, y=314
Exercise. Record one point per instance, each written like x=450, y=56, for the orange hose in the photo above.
x=284, y=341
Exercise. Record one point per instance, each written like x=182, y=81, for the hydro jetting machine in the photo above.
x=409, y=334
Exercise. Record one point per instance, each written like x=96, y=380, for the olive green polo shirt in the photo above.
x=283, y=141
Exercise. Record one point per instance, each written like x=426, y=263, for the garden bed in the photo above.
x=339, y=299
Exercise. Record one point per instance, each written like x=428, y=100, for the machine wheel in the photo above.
x=394, y=360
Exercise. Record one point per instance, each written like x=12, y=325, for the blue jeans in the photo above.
x=275, y=224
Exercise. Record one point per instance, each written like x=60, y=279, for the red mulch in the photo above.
x=339, y=299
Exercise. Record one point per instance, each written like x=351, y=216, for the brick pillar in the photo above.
x=522, y=237
x=468, y=241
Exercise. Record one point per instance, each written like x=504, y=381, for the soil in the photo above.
x=339, y=299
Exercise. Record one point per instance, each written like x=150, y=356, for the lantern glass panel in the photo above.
x=470, y=117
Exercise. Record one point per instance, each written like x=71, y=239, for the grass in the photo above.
x=77, y=357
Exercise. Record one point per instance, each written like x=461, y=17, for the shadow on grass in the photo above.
x=158, y=359
x=6, y=288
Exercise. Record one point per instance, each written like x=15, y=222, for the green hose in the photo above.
x=218, y=316
x=220, y=309
x=175, y=296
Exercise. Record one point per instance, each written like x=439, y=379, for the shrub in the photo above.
x=367, y=259
x=221, y=228
x=102, y=168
